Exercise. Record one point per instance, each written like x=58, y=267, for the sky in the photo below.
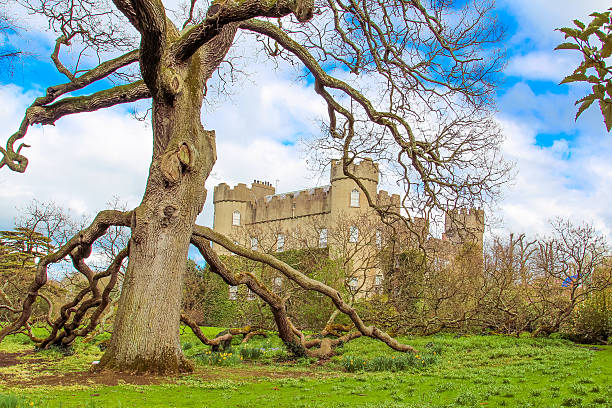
x=563, y=167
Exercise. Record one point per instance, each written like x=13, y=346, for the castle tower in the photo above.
x=234, y=206
x=347, y=197
x=464, y=225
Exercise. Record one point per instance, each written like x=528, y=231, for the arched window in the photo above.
x=236, y=218
x=354, y=234
x=353, y=284
x=355, y=198
x=254, y=244
x=378, y=239
x=323, y=238
x=280, y=243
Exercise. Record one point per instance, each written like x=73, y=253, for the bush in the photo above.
x=353, y=364
x=592, y=321
x=466, y=398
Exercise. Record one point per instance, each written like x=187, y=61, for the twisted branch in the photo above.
x=78, y=246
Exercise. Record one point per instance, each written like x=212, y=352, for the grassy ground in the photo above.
x=466, y=371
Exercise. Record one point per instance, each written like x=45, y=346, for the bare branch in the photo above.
x=221, y=13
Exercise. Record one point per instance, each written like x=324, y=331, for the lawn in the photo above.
x=449, y=371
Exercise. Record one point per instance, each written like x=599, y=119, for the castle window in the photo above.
x=378, y=239
x=355, y=198
x=354, y=234
x=353, y=284
x=254, y=244
x=250, y=295
x=378, y=280
x=236, y=218
x=233, y=292
x=323, y=238
x=280, y=243
x=278, y=283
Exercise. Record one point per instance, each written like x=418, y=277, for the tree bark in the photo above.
x=146, y=333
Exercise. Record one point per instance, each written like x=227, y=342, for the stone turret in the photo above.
x=464, y=225
x=262, y=188
x=366, y=170
x=342, y=186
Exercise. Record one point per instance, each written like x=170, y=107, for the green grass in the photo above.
x=459, y=372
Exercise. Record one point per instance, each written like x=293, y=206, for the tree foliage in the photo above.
x=594, y=42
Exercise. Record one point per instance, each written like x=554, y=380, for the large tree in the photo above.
x=414, y=89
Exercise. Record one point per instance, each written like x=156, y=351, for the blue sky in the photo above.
x=563, y=167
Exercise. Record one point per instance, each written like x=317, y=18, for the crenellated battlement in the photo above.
x=293, y=204
x=475, y=213
x=366, y=169
x=383, y=198
x=241, y=192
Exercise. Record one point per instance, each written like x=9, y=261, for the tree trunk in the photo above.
x=146, y=331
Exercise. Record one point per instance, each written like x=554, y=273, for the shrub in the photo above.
x=353, y=364
x=571, y=402
x=592, y=321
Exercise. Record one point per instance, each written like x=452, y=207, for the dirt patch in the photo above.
x=11, y=359
x=113, y=378
x=88, y=378
x=249, y=372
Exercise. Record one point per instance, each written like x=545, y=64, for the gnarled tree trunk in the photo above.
x=146, y=331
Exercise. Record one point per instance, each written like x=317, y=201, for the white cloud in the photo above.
x=80, y=163
x=537, y=20
x=557, y=181
x=539, y=65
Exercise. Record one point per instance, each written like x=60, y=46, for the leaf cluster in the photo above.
x=595, y=43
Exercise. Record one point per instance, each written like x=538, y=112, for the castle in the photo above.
x=336, y=216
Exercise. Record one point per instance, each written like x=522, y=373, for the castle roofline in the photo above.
x=295, y=193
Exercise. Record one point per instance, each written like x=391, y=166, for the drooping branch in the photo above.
x=79, y=246
x=48, y=114
x=304, y=281
x=451, y=166
x=276, y=303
